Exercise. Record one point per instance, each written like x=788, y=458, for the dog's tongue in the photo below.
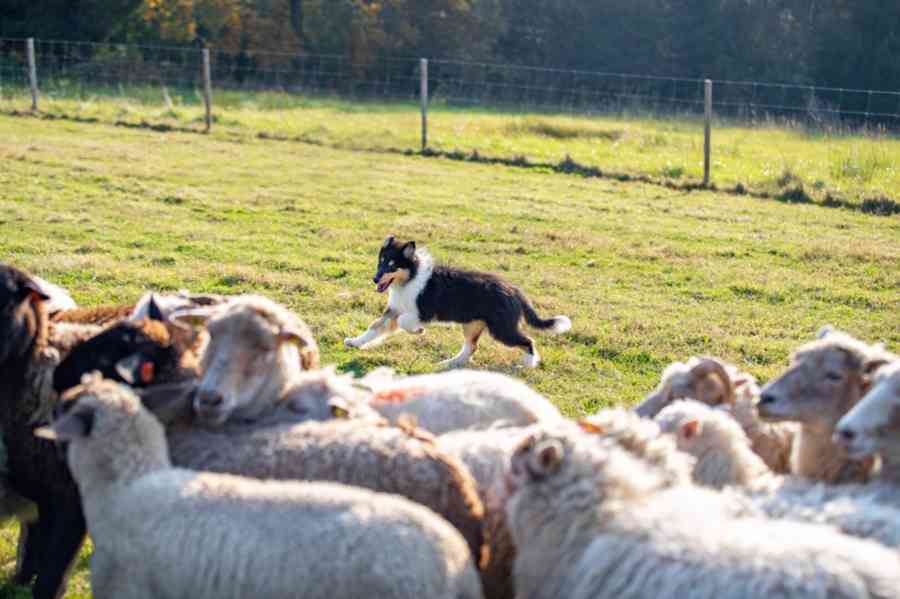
x=382, y=287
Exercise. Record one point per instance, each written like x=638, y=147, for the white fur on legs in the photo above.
x=411, y=323
x=460, y=359
x=368, y=337
x=531, y=360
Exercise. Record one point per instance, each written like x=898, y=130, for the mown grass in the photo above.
x=828, y=166
x=647, y=274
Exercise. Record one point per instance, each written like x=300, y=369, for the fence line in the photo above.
x=79, y=69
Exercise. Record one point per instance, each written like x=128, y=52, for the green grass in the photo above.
x=832, y=165
x=647, y=274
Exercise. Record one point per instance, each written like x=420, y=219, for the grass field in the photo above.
x=647, y=274
x=827, y=165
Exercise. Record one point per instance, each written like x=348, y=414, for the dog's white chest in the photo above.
x=402, y=301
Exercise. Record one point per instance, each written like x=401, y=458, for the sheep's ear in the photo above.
x=339, y=408
x=409, y=250
x=288, y=335
x=388, y=240
x=135, y=370
x=547, y=457
x=690, y=429
x=32, y=292
x=194, y=316
x=825, y=331
x=77, y=424
x=591, y=427
x=154, y=312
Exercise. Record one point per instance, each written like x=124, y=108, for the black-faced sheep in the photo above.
x=164, y=531
x=35, y=469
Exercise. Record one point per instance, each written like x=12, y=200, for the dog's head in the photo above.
x=396, y=263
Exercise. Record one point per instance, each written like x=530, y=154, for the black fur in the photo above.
x=36, y=468
x=103, y=351
x=458, y=295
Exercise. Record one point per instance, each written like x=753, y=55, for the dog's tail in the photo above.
x=557, y=324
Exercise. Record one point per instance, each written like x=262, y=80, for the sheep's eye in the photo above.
x=833, y=376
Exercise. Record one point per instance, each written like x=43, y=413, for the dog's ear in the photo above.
x=388, y=240
x=409, y=250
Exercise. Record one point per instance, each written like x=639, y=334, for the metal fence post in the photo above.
x=32, y=74
x=207, y=88
x=707, y=85
x=423, y=96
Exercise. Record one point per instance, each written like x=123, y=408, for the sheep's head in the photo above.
x=256, y=349
x=324, y=395
x=825, y=379
x=139, y=353
x=703, y=379
x=642, y=438
x=110, y=437
x=23, y=318
x=559, y=481
x=873, y=425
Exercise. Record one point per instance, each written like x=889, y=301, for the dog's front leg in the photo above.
x=382, y=327
x=411, y=323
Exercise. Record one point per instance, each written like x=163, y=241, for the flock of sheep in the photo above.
x=199, y=442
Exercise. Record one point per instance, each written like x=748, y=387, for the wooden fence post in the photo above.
x=423, y=96
x=207, y=88
x=707, y=85
x=32, y=74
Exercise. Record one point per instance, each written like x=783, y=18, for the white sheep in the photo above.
x=873, y=425
x=716, y=383
x=256, y=349
x=592, y=521
x=163, y=531
x=717, y=442
x=440, y=403
x=826, y=378
x=724, y=459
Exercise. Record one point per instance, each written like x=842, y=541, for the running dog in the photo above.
x=421, y=291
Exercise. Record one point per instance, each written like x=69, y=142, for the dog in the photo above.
x=420, y=292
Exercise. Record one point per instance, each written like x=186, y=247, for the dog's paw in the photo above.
x=418, y=331
x=352, y=342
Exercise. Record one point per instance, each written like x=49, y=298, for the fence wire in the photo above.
x=80, y=70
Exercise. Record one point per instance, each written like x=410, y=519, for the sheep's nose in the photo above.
x=846, y=435
x=766, y=399
x=210, y=399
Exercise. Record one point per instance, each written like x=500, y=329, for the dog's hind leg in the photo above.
x=379, y=329
x=509, y=334
x=472, y=332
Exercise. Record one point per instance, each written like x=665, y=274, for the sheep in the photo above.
x=58, y=299
x=826, y=378
x=715, y=383
x=159, y=530
x=719, y=444
x=486, y=453
x=642, y=438
x=35, y=470
x=590, y=520
x=724, y=459
x=440, y=403
x=256, y=348
x=873, y=425
x=151, y=350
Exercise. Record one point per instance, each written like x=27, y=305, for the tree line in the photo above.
x=839, y=43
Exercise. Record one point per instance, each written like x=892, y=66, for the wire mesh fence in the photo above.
x=79, y=70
